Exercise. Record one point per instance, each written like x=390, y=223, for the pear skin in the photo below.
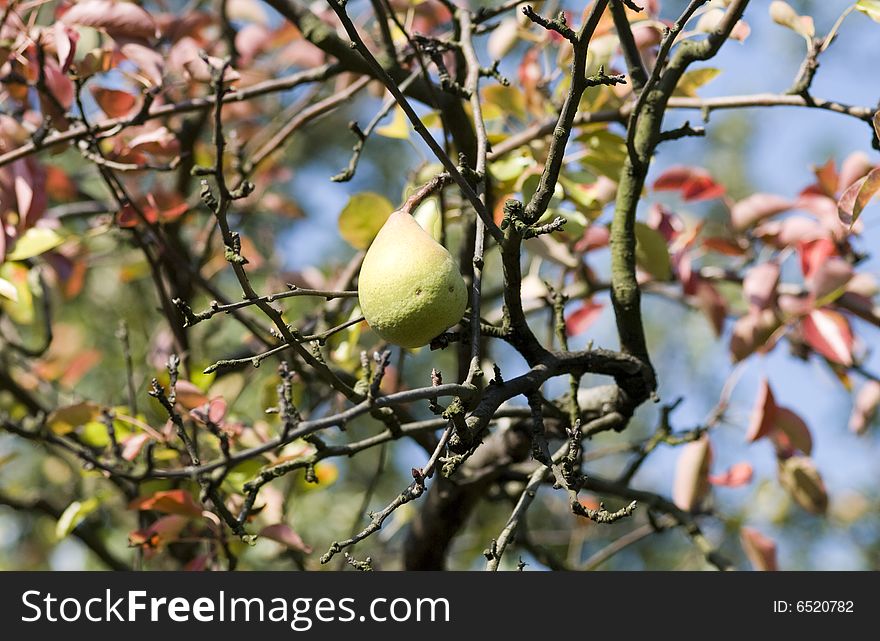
x=410, y=289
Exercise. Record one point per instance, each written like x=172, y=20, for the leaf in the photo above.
x=284, y=534
x=397, y=128
x=791, y=433
x=828, y=282
x=582, y=318
x=760, y=550
x=113, y=102
x=691, y=481
x=8, y=290
x=510, y=100
x=693, y=80
x=605, y=152
x=783, y=14
x=363, y=217
x=799, y=476
x=34, y=242
x=189, y=395
x=756, y=208
x=763, y=416
x=870, y=8
x=712, y=304
x=66, y=419
x=828, y=333
x=169, y=502
x=857, y=196
x=121, y=20
x=503, y=38
x=855, y=166
x=21, y=309
x=814, y=253
x=652, y=254
x=737, y=475
x=149, y=62
x=752, y=332
x=760, y=283
x=693, y=183
x=73, y=515
x=865, y=407
x=163, y=530
x=133, y=445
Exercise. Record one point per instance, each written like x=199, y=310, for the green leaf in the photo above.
x=363, y=217
x=428, y=216
x=509, y=100
x=8, y=290
x=397, y=128
x=693, y=80
x=75, y=513
x=510, y=168
x=19, y=306
x=652, y=254
x=605, y=152
x=66, y=419
x=870, y=8
x=34, y=242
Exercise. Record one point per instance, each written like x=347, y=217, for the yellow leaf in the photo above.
x=397, y=128
x=363, y=217
x=34, y=242
x=693, y=80
x=66, y=419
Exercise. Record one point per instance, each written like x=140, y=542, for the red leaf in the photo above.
x=760, y=549
x=856, y=166
x=792, y=230
x=828, y=333
x=759, y=285
x=595, y=237
x=581, y=319
x=165, y=529
x=790, y=433
x=113, y=102
x=212, y=412
x=26, y=182
x=665, y=221
x=189, y=396
x=753, y=332
x=133, y=445
x=865, y=407
x=814, y=253
x=65, y=43
x=749, y=211
x=284, y=534
x=121, y=20
x=725, y=246
x=149, y=62
x=857, y=196
x=169, y=502
x=58, y=83
x=738, y=474
x=693, y=182
x=830, y=278
x=691, y=481
x=826, y=178
x=764, y=411
x=712, y=304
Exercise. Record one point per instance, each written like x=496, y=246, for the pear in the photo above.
x=410, y=289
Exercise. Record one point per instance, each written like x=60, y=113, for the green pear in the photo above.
x=410, y=289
